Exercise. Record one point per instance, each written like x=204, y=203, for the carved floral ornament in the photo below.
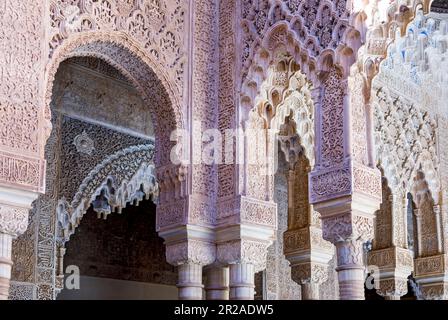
x=127, y=176
x=13, y=220
x=243, y=251
x=154, y=65
x=157, y=25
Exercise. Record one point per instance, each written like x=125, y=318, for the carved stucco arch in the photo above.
x=293, y=113
x=148, y=77
x=281, y=39
x=125, y=177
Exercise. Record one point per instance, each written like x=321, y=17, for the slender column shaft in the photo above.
x=5, y=264
x=439, y=229
x=242, y=281
x=190, y=282
x=350, y=270
x=310, y=290
x=419, y=231
x=217, y=285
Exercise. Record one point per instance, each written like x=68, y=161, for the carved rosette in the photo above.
x=243, y=251
x=13, y=220
x=191, y=251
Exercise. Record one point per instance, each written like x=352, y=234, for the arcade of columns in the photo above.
x=354, y=90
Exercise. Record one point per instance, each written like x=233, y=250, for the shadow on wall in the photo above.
x=93, y=288
x=121, y=257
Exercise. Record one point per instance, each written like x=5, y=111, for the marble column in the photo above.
x=242, y=281
x=14, y=211
x=5, y=264
x=217, y=285
x=190, y=256
x=350, y=268
x=190, y=281
x=310, y=290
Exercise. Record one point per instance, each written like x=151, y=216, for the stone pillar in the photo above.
x=439, y=228
x=431, y=275
x=344, y=187
x=310, y=290
x=190, y=256
x=242, y=281
x=244, y=258
x=350, y=268
x=5, y=264
x=348, y=231
x=14, y=210
x=390, y=260
x=217, y=285
x=190, y=281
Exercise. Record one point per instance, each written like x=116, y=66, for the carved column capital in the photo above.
x=349, y=253
x=392, y=287
x=243, y=252
x=347, y=226
x=13, y=220
x=315, y=273
x=191, y=252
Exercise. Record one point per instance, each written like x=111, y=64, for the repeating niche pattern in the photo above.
x=287, y=94
x=416, y=63
x=284, y=107
x=157, y=25
x=319, y=25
